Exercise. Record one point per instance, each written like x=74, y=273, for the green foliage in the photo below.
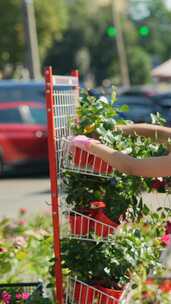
x=114, y=262
x=51, y=18
x=136, y=246
x=25, y=248
x=139, y=66
x=96, y=118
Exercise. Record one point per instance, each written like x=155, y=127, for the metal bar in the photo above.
x=54, y=187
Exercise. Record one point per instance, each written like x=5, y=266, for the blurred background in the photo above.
x=121, y=43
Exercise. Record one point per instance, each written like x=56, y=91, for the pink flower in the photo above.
x=77, y=121
x=166, y=239
x=18, y=296
x=23, y=211
x=25, y=296
x=6, y=297
x=19, y=242
x=22, y=222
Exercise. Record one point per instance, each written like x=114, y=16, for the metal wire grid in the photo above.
x=64, y=110
x=80, y=161
x=78, y=292
x=78, y=226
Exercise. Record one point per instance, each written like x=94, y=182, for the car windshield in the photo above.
x=10, y=116
x=33, y=115
x=139, y=108
x=31, y=92
x=38, y=116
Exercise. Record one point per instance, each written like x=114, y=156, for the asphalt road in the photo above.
x=34, y=195
x=30, y=193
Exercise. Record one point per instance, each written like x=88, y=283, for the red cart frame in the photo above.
x=58, y=89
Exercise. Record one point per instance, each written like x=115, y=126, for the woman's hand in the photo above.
x=83, y=142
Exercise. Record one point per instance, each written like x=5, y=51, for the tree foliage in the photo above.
x=51, y=19
x=72, y=34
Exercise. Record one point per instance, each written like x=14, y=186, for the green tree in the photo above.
x=154, y=15
x=87, y=31
x=139, y=66
x=51, y=18
x=86, y=45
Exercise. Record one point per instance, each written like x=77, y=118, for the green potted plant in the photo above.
x=110, y=265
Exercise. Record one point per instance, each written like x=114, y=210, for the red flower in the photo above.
x=166, y=286
x=157, y=183
x=97, y=204
x=168, y=227
x=3, y=250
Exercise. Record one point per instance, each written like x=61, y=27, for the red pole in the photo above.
x=52, y=150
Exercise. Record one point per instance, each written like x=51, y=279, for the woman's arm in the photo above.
x=158, y=133
x=150, y=167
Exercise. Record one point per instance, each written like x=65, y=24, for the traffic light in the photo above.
x=144, y=31
x=111, y=31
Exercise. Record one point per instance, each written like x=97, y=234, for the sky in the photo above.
x=168, y=2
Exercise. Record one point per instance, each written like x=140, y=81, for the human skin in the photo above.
x=159, y=166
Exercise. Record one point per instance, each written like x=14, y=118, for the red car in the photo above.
x=23, y=135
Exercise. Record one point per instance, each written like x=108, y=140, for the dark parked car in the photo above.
x=23, y=135
x=141, y=103
x=139, y=108
x=13, y=90
x=164, y=101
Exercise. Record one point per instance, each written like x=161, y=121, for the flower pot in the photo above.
x=98, y=165
x=108, y=296
x=80, y=158
x=101, y=229
x=79, y=225
x=83, y=294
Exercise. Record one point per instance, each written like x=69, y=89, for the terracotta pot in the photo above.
x=79, y=224
x=105, y=298
x=80, y=158
x=98, y=165
x=83, y=294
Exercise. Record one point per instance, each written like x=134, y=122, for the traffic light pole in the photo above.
x=33, y=60
x=120, y=45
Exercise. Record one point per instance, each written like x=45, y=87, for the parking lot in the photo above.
x=30, y=193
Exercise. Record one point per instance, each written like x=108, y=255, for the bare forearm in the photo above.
x=158, y=133
x=151, y=167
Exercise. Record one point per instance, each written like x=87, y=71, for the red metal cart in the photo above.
x=62, y=96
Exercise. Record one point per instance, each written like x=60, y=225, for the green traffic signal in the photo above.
x=144, y=31
x=111, y=31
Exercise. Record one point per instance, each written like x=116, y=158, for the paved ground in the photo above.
x=34, y=194
x=30, y=193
